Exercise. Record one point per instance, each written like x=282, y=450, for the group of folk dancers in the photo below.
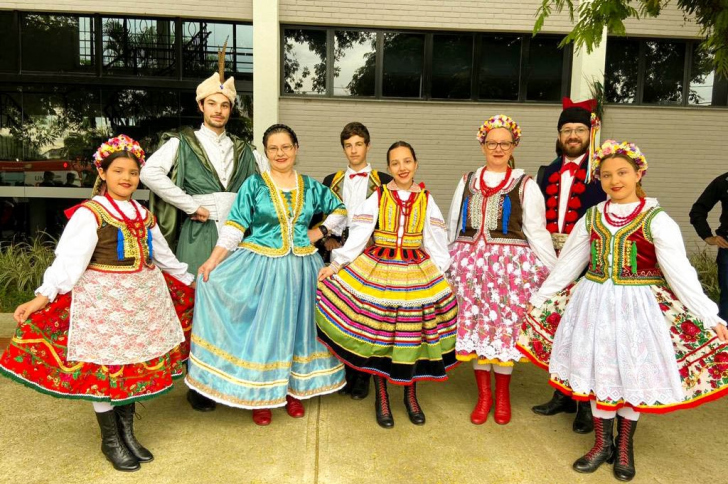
x=619, y=318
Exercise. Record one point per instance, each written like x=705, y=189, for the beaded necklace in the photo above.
x=619, y=221
x=135, y=226
x=488, y=191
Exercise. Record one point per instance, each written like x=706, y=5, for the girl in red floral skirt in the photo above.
x=103, y=326
x=636, y=334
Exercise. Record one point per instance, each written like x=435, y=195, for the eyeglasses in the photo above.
x=569, y=131
x=504, y=145
x=275, y=149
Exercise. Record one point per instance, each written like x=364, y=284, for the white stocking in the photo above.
x=102, y=407
x=629, y=413
x=603, y=414
x=479, y=366
x=503, y=370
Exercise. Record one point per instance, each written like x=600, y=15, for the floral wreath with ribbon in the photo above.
x=500, y=121
x=614, y=148
x=116, y=144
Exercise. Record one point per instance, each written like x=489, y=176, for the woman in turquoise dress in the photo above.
x=253, y=334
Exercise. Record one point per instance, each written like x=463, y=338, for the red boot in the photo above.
x=294, y=407
x=502, y=414
x=262, y=416
x=485, y=400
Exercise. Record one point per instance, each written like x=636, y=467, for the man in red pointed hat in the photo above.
x=569, y=192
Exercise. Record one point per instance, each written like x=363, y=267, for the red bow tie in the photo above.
x=354, y=175
x=570, y=167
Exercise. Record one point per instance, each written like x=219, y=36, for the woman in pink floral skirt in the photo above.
x=501, y=254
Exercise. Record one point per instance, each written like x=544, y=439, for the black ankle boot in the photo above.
x=113, y=446
x=350, y=379
x=558, y=403
x=583, y=422
x=416, y=415
x=381, y=403
x=603, y=450
x=360, y=389
x=125, y=419
x=624, y=463
x=200, y=402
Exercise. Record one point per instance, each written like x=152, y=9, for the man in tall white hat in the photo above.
x=194, y=177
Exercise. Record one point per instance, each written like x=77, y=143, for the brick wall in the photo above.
x=443, y=134
x=498, y=15
x=685, y=150
x=670, y=23
x=222, y=9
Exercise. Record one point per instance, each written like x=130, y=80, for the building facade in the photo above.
x=428, y=72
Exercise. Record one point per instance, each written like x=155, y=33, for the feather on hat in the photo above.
x=216, y=83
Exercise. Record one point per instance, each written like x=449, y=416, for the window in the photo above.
x=662, y=72
x=57, y=43
x=704, y=87
x=500, y=67
x=452, y=63
x=121, y=47
x=664, y=68
x=9, y=42
x=139, y=46
x=304, y=70
x=545, y=66
x=202, y=41
x=403, y=65
x=621, y=74
x=355, y=57
x=423, y=65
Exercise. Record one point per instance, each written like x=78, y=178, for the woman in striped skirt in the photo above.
x=387, y=309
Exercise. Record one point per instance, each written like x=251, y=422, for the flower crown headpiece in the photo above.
x=611, y=148
x=500, y=121
x=116, y=144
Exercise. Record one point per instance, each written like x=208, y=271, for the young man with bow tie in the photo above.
x=569, y=192
x=353, y=186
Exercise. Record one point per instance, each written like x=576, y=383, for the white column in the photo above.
x=266, y=67
x=587, y=68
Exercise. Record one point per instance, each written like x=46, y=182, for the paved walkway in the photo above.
x=47, y=440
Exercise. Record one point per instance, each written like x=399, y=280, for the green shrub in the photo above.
x=22, y=265
x=704, y=263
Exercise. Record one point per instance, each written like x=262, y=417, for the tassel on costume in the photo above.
x=464, y=216
x=633, y=258
x=506, y=213
x=149, y=243
x=120, y=244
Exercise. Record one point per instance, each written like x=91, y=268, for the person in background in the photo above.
x=353, y=186
x=717, y=191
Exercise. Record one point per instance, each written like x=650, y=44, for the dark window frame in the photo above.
x=427, y=65
x=689, y=44
x=97, y=77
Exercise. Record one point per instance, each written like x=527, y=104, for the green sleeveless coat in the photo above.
x=192, y=172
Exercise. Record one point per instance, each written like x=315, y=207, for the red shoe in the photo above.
x=485, y=400
x=294, y=407
x=262, y=416
x=502, y=414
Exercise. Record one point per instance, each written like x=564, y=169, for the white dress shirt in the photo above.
x=78, y=242
x=567, y=179
x=355, y=189
x=434, y=240
x=534, y=213
x=671, y=258
x=219, y=150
